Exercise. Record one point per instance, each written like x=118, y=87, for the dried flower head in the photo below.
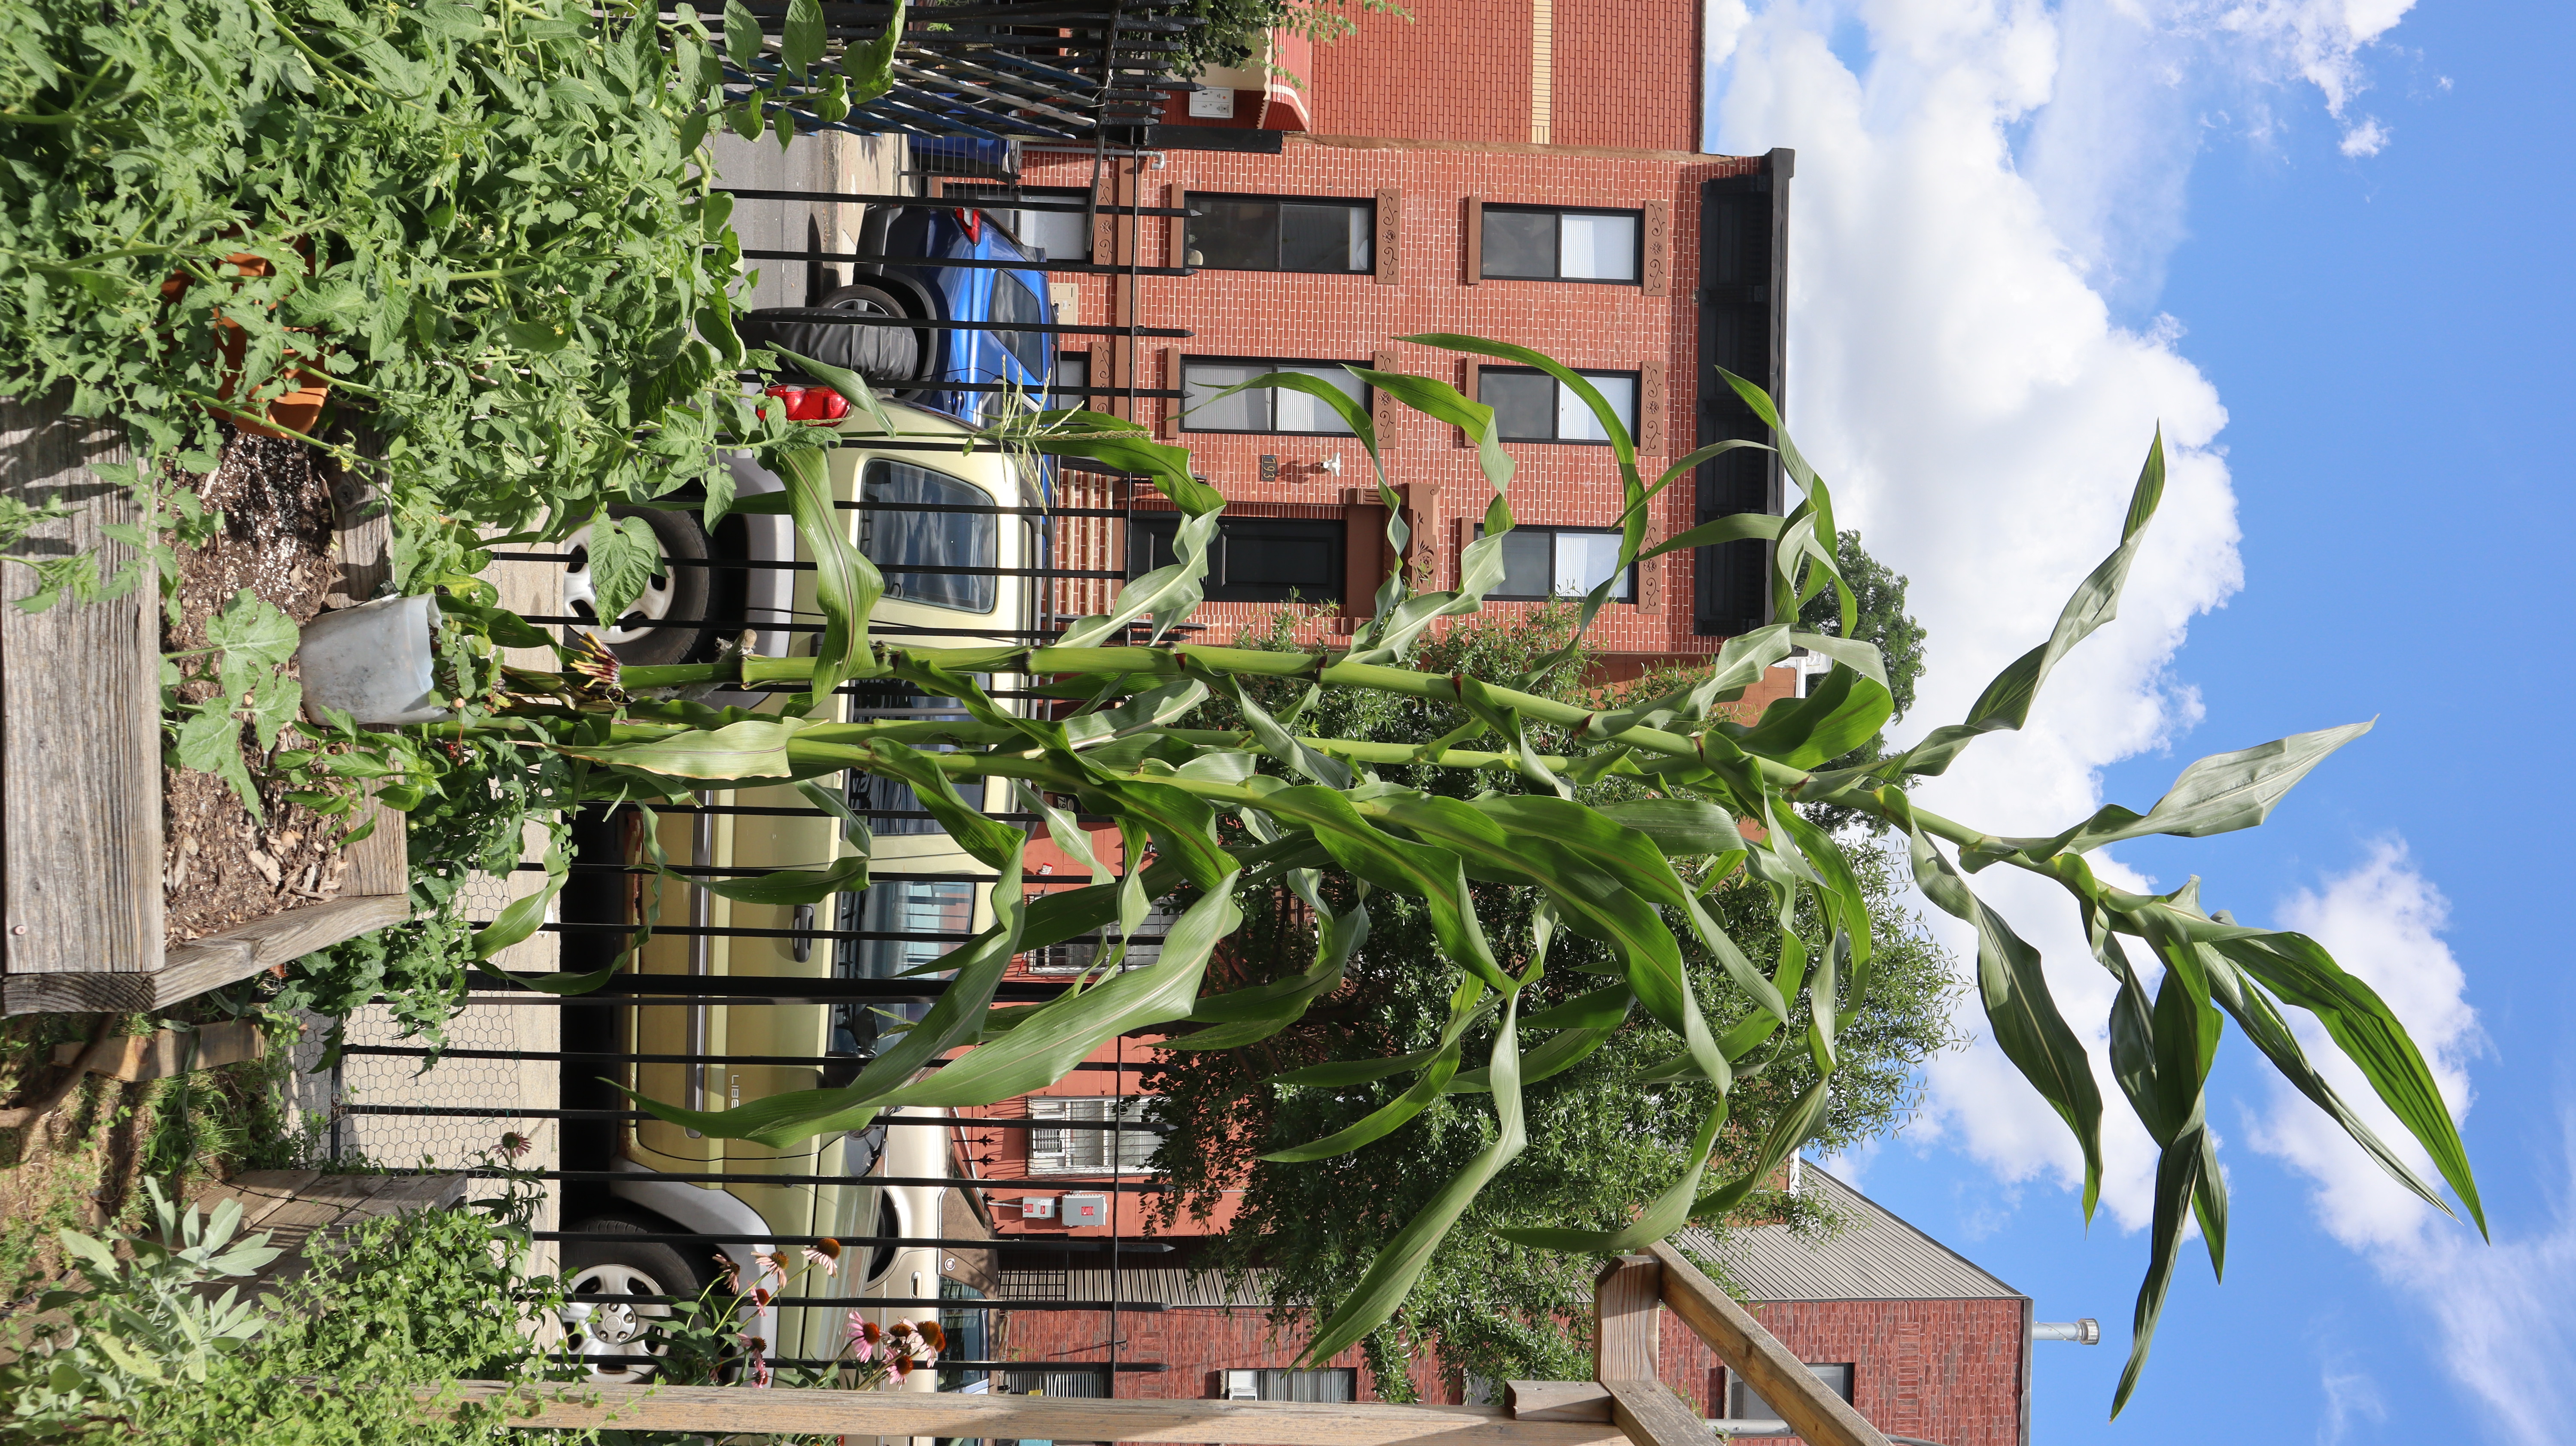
x=931, y=1332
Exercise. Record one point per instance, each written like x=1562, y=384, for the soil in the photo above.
x=218, y=867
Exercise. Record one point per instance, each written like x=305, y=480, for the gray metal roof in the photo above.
x=1168, y=1284
x=1874, y=1256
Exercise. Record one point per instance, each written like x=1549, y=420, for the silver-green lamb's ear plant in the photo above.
x=1722, y=802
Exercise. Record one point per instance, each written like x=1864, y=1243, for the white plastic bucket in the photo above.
x=372, y=662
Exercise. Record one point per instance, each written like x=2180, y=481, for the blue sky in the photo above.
x=2324, y=243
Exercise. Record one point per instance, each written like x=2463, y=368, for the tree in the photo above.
x=1599, y=1137
x=1630, y=876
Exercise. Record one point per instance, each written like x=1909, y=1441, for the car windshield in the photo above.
x=901, y=541
x=1014, y=304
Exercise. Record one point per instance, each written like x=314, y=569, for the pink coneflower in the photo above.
x=931, y=1333
x=760, y=1296
x=862, y=1347
x=825, y=1257
x=902, y=1367
x=870, y=1329
x=514, y=1144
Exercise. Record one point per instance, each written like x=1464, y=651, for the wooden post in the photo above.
x=956, y=1416
x=1627, y=1316
x=1819, y=1415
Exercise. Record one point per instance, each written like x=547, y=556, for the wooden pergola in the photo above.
x=1624, y=1402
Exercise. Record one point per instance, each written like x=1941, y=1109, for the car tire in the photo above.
x=688, y=597
x=627, y=1267
x=882, y=355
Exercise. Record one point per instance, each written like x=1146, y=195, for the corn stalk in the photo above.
x=1725, y=808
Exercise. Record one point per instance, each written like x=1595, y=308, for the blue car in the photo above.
x=973, y=375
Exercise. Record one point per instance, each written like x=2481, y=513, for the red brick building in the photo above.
x=1525, y=172
x=1922, y=1342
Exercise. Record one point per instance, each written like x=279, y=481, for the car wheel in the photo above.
x=626, y=1267
x=890, y=355
x=669, y=622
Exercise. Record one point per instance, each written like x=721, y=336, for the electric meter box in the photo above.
x=1037, y=1207
x=1086, y=1209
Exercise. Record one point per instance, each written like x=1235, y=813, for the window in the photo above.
x=1059, y=1152
x=902, y=543
x=1014, y=304
x=969, y=1335
x=1540, y=562
x=919, y=921
x=1072, y=374
x=1280, y=233
x=1530, y=243
x=1254, y=559
x=1263, y=409
x=1532, y=406
x=888, y=699
x=1340, y=1383
x=1047, y=235
x=1743, y=1403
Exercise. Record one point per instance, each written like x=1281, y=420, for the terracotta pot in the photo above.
x=299, y=410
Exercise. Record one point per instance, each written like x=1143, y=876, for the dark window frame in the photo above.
x=1636, y=261
x=1636, y=401
x=1368, y=394
x=1552, y=533
x=977, y=496
x=1367, y=204
x=1155, y=528
x=1737, y=1388
x=994, y=199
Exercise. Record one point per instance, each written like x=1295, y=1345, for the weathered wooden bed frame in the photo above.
x=80, y=760
x=1625, y=1404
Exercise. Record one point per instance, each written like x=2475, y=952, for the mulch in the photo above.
x=218, y=867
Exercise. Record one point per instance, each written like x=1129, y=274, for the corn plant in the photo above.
x=1726, y=809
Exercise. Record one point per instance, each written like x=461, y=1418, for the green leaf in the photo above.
x=1663, y=1215
x=792, y=886
x=1434, y=875
x=802, y=43
x=1045, y=1043
x=2014, y=989
x=846, y=584
x=955, y=1019
x=2006, y=702
x=870, y=64
x=1439, y=1063
x=742, y=34
x=2178, y=1170
x=210, y=742
x=255, y=638
x=985, y=839
x=2218, y=794
x=1391, y=1277
x=2301, y=972
x=624, y=555
x=752, y=748
x=1844, y=712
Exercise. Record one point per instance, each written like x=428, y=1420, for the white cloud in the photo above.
x=2504, y=1315
x=1981, y=419
x=2383, y=922
x=1959, y=375
x=2351, y=1397
x=2366, y=138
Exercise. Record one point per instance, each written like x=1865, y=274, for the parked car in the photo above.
x=927, y=896
x=931, y=365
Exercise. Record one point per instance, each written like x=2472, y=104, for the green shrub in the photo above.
x=140, y=1348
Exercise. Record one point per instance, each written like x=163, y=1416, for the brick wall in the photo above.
x=1939, y=1370
x=1624, y=73
x=1357, y=318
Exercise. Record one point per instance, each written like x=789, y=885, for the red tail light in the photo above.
x=973, y=221
x=811, y=404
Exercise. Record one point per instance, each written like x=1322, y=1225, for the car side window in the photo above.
x=906, y=539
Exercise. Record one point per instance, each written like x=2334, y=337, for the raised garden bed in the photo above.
x=94, y=831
